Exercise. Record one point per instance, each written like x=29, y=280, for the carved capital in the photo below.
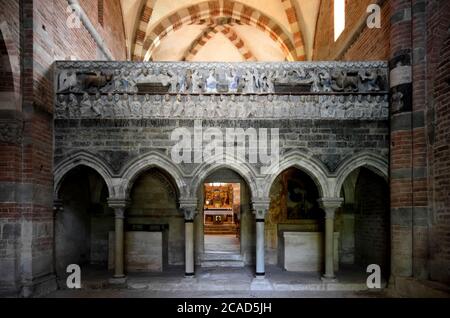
x=119, y=206
x=330, y=205
x=57, y=207
x=189, y=212
x=260, y=208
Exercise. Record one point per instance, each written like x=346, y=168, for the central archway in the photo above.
x=225, y=228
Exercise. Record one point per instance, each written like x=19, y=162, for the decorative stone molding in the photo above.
x=119, y=206
x=330, y=205
x=260, y=209
x=325, y=90
x=189, y=207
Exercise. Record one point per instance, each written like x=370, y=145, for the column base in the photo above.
x=328, y=279
x=261, y=283
x=118, y=280
x=189, y=275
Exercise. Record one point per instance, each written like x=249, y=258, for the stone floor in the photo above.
x=222, y=243
x=221, y=283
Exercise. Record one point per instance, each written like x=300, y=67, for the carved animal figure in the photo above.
x=345, y=81
x=93, y=80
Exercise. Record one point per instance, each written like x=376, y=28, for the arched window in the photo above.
x=339, y=18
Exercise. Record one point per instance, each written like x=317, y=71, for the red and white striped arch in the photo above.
x=210, y=33
x=144, y=18
x=207, y=11
x=294, y=22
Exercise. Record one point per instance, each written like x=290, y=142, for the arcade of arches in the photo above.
x=91, y=97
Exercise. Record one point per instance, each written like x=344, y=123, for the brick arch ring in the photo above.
x=204, y=13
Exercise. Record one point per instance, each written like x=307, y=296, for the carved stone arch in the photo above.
x=204, y=12
x=241, y=168
x=82, y=159
x=135, y=168
x=304, y=162
x=373, y=161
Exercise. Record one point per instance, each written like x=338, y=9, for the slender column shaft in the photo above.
x=189, y=247
x=119, y=242
x=329, y=246
x=260, y=268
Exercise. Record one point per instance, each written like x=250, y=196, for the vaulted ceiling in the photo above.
x=220, y=30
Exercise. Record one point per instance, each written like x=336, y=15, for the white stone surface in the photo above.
x=304, y=251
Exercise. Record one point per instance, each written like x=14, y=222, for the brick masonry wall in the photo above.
x=365, y=44
x=40, y=33
x=438, y=139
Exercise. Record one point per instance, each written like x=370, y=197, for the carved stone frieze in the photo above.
x=364, y=107
x=220, y=78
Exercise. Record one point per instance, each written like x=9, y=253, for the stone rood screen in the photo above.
x=322, y=90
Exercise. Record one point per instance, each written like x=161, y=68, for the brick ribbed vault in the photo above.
x=209, y=33
x=294, y=23
x=141, y=28
x=208, y=11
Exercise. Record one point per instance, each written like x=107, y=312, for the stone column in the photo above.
x=119, y=214
x=260, y=210
x=57, y=209
x=329, y=205
x=189, y=210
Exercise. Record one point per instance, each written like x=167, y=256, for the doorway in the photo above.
x=221, y=217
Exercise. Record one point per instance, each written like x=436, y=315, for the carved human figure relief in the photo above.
x=135, y=107
x=200, y=107
x=108, y=106
x=189, y=107
x=97, y=105
x=73, y=106
x=147, y=107
x=61, y=107
x=178, y=107
x=268, y=107
x=241, y=107
x=211, y=82
x=232, y=107
x=340, y=107
x=166, y=106
x=233, y=81
x=125, y=105
x=196, y=82
x=249, y=82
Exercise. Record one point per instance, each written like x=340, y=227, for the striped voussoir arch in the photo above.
x=294, y=23
x=209, y=33
x=216, y=9
x=141, y=30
